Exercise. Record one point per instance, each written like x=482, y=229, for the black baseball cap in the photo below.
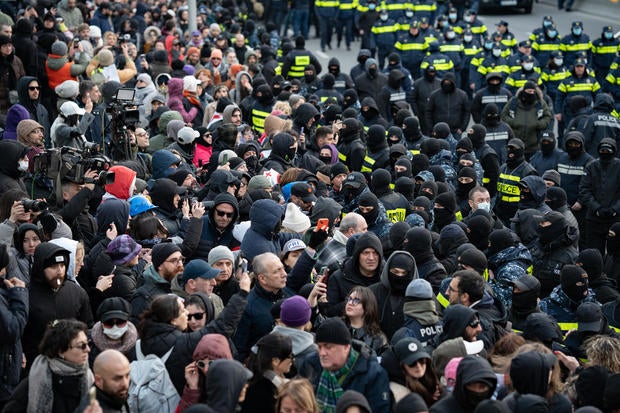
x=304, y=191
x=589, y=317
x=526, y=283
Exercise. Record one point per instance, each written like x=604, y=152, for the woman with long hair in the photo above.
x=418, y=374
x=362, y=317
x=270, y=364
x=297, y=396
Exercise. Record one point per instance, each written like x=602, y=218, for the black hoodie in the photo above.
x=601, y=124
x=10, y=176
x=47, y=303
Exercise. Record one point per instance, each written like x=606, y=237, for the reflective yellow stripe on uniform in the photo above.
x=258, y=119
x=297, y=68
x=396, y=215
x=568, y=326
x=384, y=29
x=368, y=164
x=459, y=216
x=443, y=300
x=510, y=192
x=342, y=156
x=605, y=49
x=410, y=46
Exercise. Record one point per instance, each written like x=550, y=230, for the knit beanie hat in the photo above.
x=220, y=253
x=476, y=134
x=161, y=252
x=295, y=220
x=441, y=130
x=68, y=89
x=295, y=311
x=447, y=200
x=258, y=182
x=123, y=249
x=59, y=48
x=419, y=289
x=553, y=176
x=474, y=258
x=403, y=261
x=25, y=127
x=105, y=57
x=333, y=330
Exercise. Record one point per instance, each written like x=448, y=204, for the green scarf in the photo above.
x=330, y=389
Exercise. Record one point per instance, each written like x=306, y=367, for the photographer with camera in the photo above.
x=71, y=124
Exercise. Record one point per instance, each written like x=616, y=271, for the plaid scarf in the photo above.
x=330, y=389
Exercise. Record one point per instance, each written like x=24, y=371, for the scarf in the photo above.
x=40, y=391
x=330, y=389
x=103, y=342
x=424, y=311
x=192, y=98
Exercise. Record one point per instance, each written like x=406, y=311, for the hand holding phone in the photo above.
x=322, y=224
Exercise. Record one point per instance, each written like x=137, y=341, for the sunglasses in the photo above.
x=196, y=316
x=221, y=213
x=114, y=322
x=419, y=361
x=81, y=346
x=34, y=88
x=353, y=301
x=474, y=323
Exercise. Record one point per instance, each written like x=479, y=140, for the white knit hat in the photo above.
x=295, y=220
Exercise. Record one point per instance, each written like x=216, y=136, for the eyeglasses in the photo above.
x=34, y=88
x=114, y=322
x=197, y=316
x=353, y=301
x=176, y=261
x=81, y=346
x=474, y=323
x=451, y=290
x=221, y=213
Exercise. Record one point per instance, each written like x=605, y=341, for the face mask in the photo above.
x=468, y=38
x=604, y=156
x=528, y=66
x=373, y=71
x=450, y=35
x=372, y=6
x=558, y=62
x=22, y=166
x=409, y=14
x=115, y=332
x=452, y=16
x=488, y=46
x=430, y=76
x=384, y=17
x=398, y=283
x=327, y=160
x=552, y=33
x=485, y=206
x=609, y=35
x=470, y=19
x=577, y=31
x=251, y=162
x=546, y=146
x=524, y=301
x=474, y=398
x=366, y=114
x=290, y=154
x=497, y=52
x=447, y=87
x=443, y=217
x=334, y=71
x=527, y=98
x=547, y=23
x=309, y=78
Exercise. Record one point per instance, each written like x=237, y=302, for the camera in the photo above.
x=71, y=164
x=125, y=114
x=34, y=205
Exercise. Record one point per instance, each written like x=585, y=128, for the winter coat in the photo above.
x=601, y=124
x=13, y=316
x=564, y=310
x=493, y=317
x=508, y=265
x=367, y=85
x=366, y=377
x=422, y=321
x=175, y=100
x=260, y=238
x=37, y=111
x=153, y=286
x=27, y=50
x=572, y=169
x=158, y=338
x=59, y=69
x=257, y=320
x=211, y=237
x=10, y=176
x=527, y=123
x=600, y=186
x=452, y=108
x=390, y=302
x=550, y=258
x=69, y=301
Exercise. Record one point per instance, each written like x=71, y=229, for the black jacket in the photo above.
x=13, y=318
x=600, y=186
x=452, y=108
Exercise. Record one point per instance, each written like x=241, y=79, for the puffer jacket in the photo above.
x=508, y=265
x=550, y=258
x=601, y=124
x=564, y=310
x=600, y=186
x=161, y=140
x=175, y=100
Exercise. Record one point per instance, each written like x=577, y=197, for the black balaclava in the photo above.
x=411, y=129
x=613, y=239
x=430, y=147
x=439, y=174
x=394, y=135
x=397, y=234
x=570, y=277
x=555, y=198
x=576, y=136
x=466, y=157
x=420, y=162
x=349, y=97
x=553, y=232
x=606, y=150
x=524, y=302
x=462, y=190
x=447, y=84
x=281, y=147
x=423, y=202
x=441, y=130
x=399, y=284
x=401, y=115
x=478, y=230
x=376, y=138
x=380, y=182
x=403, y=161
x=464, y=145
x=530, y=373
x=428, y=190
x=591, y=261
x=368, y=199
x=405, y=186
x=265, y=95
x=309, y=77
x=528, y=99
x=547, y=144
x=476, y=135
x=445, y=215
x=499, y=240
x=395, y=79
x=494, y=88
x=490, y=114
x=418, y=242
x=516, y=153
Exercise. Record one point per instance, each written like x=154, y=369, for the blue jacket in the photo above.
x=101, y=21
x=508, y=265
x=265, y=214
x=366, y=377
x=562, y=308
x=13, y=318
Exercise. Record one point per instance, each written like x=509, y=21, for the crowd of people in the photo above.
x=206, y=221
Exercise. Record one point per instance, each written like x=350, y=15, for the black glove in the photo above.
x=317, y=237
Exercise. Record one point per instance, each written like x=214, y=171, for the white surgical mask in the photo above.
x=497, y=52
x=558, y=62
x=485, y=206
x=22, y=166
x=384, y=17
x=409, y=13
x=528, y=66
x=117, y=332
x=468, y=38
x=450, y=35
x=452, y=16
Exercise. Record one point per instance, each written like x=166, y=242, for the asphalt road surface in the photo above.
x=594, y=15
